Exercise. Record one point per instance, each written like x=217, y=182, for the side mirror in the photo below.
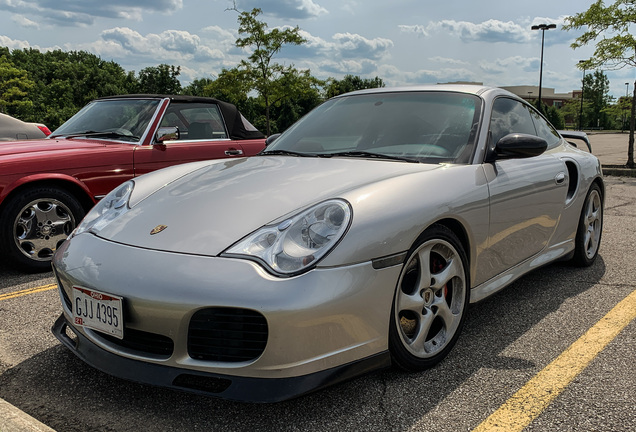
x=169, y=133
x=270, y=139
x=516, y=146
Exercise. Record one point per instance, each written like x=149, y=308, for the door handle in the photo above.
x=233, y=152
x=560, y=178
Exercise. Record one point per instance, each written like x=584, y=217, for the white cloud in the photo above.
x=85, y=12
x=23, y=21
x=167, y=46
x=419, y=30
x=354, y=45
x=297, y=9
x=487, y=31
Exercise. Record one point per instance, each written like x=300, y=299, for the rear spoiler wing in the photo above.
x=576, y=135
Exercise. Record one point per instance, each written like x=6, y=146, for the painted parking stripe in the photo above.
x=27, y=291
x=530, y=401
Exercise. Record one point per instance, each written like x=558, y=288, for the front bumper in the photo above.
x=264, y=390
x=322, y=327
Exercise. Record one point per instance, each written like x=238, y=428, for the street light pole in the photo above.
x=543, y=28
x=582, y=91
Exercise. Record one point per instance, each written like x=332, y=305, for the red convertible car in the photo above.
x=48, y=185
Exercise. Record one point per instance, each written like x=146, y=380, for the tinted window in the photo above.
x=509, y=116
x=423, y=126
x=545, y=130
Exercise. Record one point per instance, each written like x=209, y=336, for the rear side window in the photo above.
x=545, y=130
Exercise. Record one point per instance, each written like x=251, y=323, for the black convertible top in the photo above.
x=238, y=126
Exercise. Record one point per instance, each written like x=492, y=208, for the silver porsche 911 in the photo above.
x=356, y=240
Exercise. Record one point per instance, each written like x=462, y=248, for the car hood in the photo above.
x=215, y=204
x=23, y=148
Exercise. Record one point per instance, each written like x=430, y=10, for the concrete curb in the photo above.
x=618, y=171
x=14, y=420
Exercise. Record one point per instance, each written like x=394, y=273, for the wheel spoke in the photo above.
x=410, y=302
x=424, y=255
x=452, y=269
x=423, y=329
x=444, y=312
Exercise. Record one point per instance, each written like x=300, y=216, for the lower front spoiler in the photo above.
x=244, y=389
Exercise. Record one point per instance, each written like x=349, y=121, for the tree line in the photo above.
x=49, y=87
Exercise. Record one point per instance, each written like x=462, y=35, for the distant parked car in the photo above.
x=12, y=129
x=48, y=185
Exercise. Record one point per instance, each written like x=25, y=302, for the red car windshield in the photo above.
x=125, y=119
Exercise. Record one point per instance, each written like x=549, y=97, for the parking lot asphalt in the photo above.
x=611, y=150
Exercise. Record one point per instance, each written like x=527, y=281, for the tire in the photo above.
x=590, y=229
x=430, y=302
x=35, y=223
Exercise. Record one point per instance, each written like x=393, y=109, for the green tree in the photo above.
x=300, y=94
x=596, y=93
x=351, y=83
x=263, y=72
x=233, y=86
x=552, y=113
x=14, y=87
x=615, y=48
x=619, y=113
x=162, y=79
x=197, y=87
x=66, y=81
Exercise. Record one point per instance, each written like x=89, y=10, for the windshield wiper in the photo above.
x=285, y=153
x=98, y=134
x=365, y=154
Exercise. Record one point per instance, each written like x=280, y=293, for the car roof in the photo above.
x=475, y=89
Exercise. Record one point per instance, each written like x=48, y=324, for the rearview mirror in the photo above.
x=515, y=146
x=270, y=139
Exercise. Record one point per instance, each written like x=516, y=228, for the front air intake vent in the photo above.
x=227, y=334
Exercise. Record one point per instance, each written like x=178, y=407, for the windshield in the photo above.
x=124, y=119
x=429, y=127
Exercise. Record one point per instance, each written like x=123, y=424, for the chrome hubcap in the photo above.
x=41, y=227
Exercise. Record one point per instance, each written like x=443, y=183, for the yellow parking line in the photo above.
x=526, y=405
x=27, y=291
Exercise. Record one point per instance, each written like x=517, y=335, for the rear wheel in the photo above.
x=430, y=301
x=588, y=234
x=35, y=223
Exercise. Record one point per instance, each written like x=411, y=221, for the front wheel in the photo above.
x=35, y=223
x=430, y=301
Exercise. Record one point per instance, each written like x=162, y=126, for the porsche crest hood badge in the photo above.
x=158, y=229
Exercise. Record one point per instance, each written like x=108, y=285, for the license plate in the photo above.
x=98, y=311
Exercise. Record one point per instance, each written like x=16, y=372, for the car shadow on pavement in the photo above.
x=61, y=391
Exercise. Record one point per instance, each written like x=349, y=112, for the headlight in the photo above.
x=297, y=243
x=107, y=209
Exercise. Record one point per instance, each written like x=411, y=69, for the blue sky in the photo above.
x=401, y=41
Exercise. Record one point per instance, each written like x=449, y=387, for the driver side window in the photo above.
x=509, y=116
